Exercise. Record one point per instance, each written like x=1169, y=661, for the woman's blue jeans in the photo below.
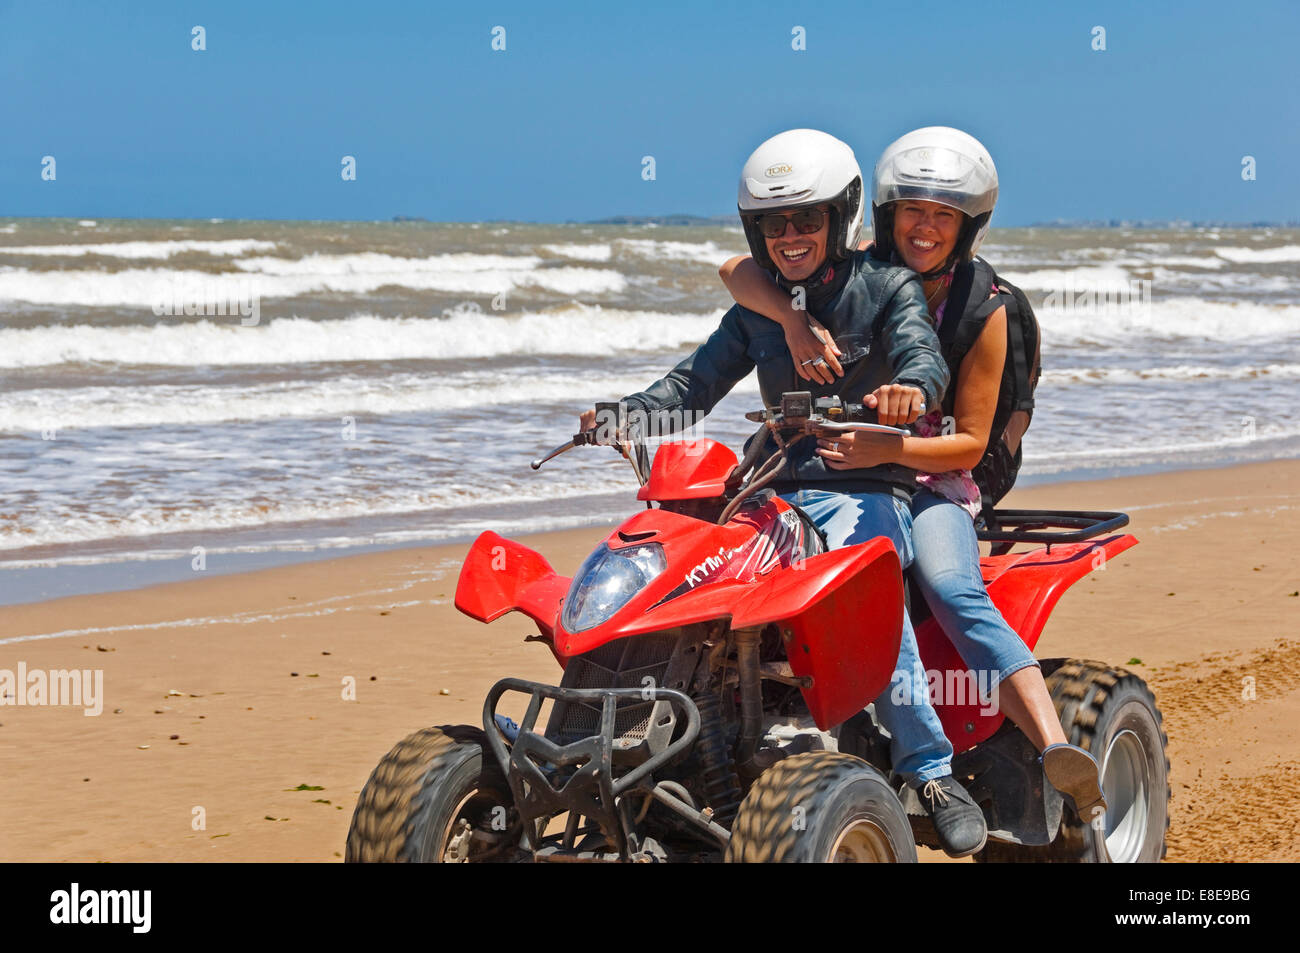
x=946, y=569
x=920, y=750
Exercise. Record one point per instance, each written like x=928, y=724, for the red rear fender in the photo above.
x=500, y=576
x=1025, y=587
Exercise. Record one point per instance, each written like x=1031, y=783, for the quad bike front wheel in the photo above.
x=821, y=807
x=1110, y=712
x=434, y=798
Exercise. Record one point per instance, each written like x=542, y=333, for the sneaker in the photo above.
x=957, y=818
x=1074, y=773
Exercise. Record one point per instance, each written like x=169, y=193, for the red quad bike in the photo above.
x=718, y=663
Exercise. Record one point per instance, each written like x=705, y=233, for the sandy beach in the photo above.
x=223, y=696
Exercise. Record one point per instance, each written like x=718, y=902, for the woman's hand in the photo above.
x=587, y=420
x=896, y=404
x=855, y=449
x=809, y=343
x=807, y=340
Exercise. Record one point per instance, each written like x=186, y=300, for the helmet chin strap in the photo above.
x=823, y=274
x=942, y=270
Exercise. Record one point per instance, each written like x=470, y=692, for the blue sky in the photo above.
x=554, y=128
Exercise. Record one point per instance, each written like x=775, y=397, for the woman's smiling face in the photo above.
x=925, y=233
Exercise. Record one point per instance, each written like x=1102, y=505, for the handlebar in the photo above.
x=613, y=429
x=799, y=412
x=798, y=416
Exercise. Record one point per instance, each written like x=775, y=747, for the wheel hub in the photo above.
x=457, y=852
x=862, y=842
x=1126, y=784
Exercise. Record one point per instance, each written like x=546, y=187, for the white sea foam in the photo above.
x=593, y=331
x=1180, y=261
x=41, y=409
x=464, y=273
x=1038, y=460
x=1099, y=277
x=1180, y=372
x=285, y=278
x=1235, y=282
x=233, y=514
x=709, y=253
x=419, y=506
x=461, y=335
x=1167, y=319
x=1260, y=255
x=580, y=252
x=233, y=246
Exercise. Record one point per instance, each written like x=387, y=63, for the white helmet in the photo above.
x=935, y=164
x=797, y=169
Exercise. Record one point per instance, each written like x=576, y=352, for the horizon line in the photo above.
x=673, y=220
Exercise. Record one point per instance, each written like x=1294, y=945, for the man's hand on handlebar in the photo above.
x=896, y=404
x=587, y=420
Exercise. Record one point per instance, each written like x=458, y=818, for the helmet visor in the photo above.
x=935, y=174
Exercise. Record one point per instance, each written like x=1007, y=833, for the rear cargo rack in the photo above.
x=1047, y=526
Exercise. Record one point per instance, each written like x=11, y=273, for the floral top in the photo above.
x=955, y=485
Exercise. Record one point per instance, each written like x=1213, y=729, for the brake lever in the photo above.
x=578, y=440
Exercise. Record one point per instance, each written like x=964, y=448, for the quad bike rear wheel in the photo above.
x=821, y=807
x=434, y=798
x=1110, y=712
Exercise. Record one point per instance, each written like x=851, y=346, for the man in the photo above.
x=801, y=205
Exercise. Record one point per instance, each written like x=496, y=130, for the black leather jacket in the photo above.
x=882, y=304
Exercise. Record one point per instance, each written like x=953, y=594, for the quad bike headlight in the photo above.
x=605, y=582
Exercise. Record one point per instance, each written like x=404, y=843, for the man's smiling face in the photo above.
x=799, y=256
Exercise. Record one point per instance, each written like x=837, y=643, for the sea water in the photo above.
x=180, y=396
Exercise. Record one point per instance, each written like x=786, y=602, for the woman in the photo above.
x=933, y=194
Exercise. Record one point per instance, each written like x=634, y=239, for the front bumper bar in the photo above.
x=591, y=789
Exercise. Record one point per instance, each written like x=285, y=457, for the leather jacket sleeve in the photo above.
x=907, y=335
x=702, y=379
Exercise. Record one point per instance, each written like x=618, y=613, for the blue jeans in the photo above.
x=920, y=750
x=946, y=569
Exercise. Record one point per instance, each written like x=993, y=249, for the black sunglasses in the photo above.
x=806, y=221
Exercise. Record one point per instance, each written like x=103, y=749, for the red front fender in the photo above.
x=841, y=615
x=500, y=575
